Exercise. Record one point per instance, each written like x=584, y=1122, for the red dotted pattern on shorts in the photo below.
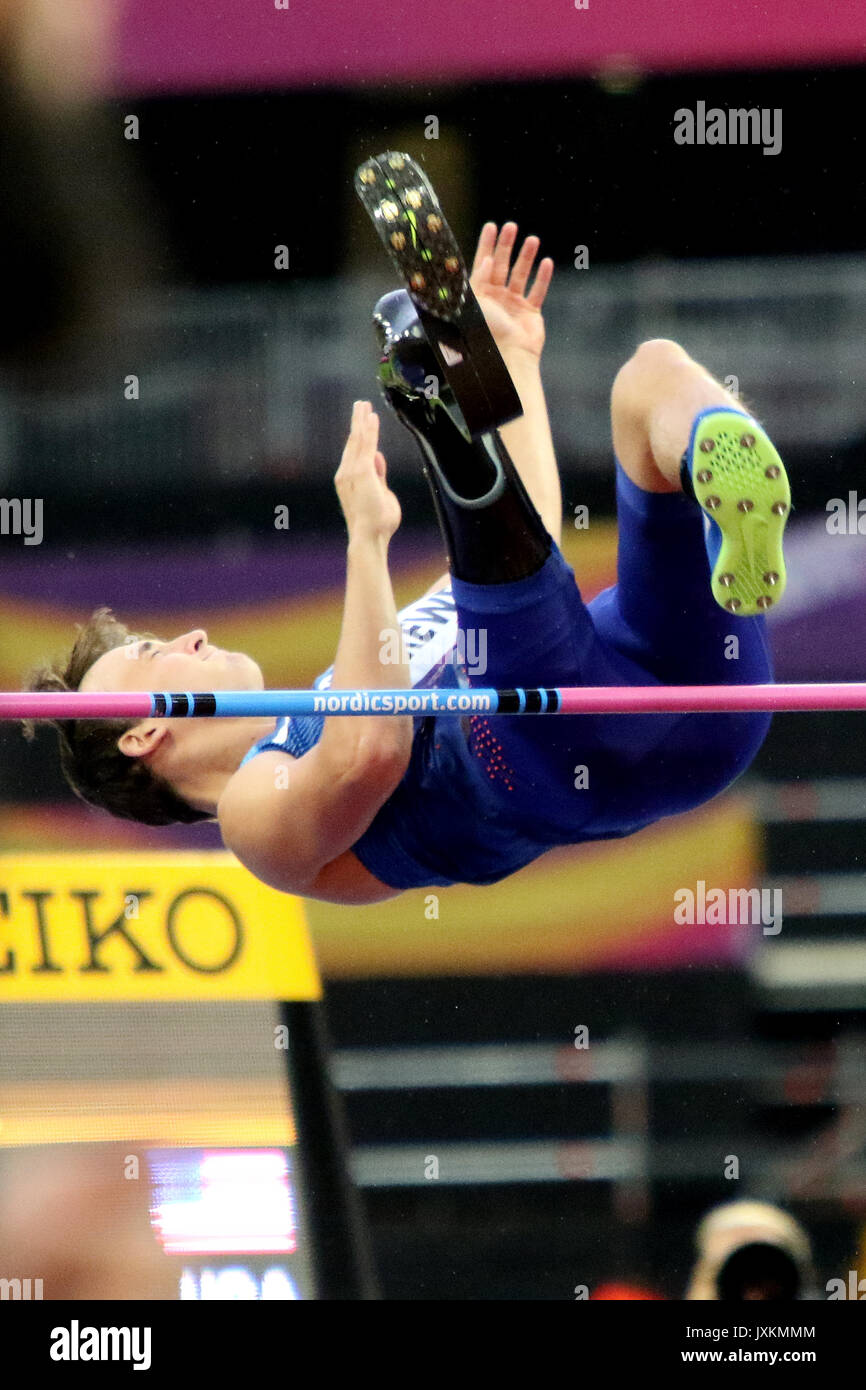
x=486, y=747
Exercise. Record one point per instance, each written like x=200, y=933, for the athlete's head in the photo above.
x=158, y=771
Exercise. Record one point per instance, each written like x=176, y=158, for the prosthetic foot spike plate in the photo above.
x=397, y=194
x=412, y=227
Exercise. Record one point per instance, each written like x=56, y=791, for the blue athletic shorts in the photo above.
x=601, y=776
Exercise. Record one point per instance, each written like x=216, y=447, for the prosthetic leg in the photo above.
x=492, y=531
x=444, y=378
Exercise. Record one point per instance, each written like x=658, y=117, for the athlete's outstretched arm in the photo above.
x=513, y=314
x=372, y=515
x=285, y=817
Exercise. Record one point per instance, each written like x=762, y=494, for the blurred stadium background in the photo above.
x=455, y=1036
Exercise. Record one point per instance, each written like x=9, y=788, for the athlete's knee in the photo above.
x=658, y=352
x=649, y=361
x=649, y=376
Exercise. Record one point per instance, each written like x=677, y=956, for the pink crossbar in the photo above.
x=572, y=700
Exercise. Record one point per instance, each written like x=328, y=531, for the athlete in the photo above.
x=355, y=810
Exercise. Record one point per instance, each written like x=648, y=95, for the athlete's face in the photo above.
x=189, y=662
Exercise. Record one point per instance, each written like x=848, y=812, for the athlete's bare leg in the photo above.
x=673, y=430
x=656, y=396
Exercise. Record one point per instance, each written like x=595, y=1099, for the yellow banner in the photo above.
x=253, y=1112
x=136, y=926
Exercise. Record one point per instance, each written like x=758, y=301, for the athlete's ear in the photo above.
x=143, y=739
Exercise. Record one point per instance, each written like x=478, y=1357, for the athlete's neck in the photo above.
x=209, y=768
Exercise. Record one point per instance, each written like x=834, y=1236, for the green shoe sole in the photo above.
x=740, y=482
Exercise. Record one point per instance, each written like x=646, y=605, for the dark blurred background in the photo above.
x=247, y=372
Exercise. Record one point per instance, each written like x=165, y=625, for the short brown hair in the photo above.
x=93, y=765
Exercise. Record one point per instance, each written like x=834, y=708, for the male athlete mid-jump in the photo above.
x=354, y=810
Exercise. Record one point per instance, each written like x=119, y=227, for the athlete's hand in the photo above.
x=512, y=314
x=369, y=506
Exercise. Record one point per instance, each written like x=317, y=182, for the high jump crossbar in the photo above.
x=456, y=701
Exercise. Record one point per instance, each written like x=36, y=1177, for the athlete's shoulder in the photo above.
x=276, y=739
x=286, y=818
x=273, y=816
x=294, y=735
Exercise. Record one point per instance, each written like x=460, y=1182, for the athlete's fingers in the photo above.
x=360, y=422
x=381, y=466
x=361, y=411
x=372, y=427
x=354, y=428
x=368, y=438
x=485, y=270
x=485, y=247
x=523, y=265
x=502, y=254
x=543, y=278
